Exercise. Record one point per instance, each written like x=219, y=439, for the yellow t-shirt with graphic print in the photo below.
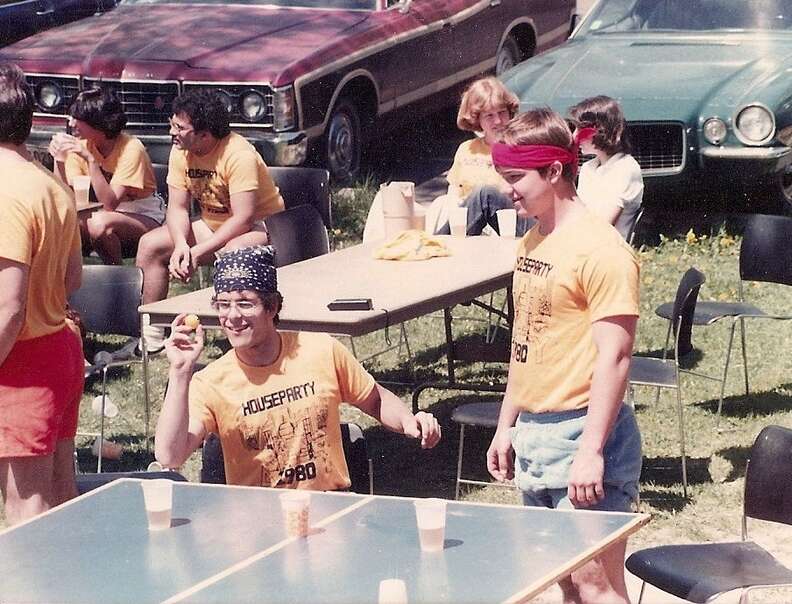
x=279, y=425
x=127, y=165
x=581, y=273
x=233, y=166
x=472, y=168
x=38, y=228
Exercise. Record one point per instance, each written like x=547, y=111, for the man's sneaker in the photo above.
x=154, y=336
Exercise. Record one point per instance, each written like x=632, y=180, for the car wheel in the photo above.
x=343, y=142
x=783, y=191
x=508, y=56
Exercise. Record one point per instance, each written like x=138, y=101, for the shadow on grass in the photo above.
x=751, y=405
x=134, y=456
x=401, y=467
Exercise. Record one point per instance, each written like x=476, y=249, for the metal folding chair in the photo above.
x=701, y=572
x=665, y=372
x=765, y=255
x=108, y=302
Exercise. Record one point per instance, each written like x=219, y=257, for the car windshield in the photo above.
x=337, y=4
x=614, y=16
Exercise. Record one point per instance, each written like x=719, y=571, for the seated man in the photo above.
x=226, y=176
x=274, y=398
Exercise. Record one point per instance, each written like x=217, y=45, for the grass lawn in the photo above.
x=716, y=463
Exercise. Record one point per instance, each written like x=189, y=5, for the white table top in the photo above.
x=399, y=290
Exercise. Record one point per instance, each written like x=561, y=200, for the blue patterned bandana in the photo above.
x=250, y=268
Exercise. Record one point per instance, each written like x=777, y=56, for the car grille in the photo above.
x=145, y=103
x=658, y=147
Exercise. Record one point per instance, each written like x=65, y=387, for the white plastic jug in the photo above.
x=398, y=207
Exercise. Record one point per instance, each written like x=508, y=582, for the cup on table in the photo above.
x=296, y=506
x=431, y=518
x=507, y=222
x=158, y=499
x=392, y=591
x=457, y=220
x=82, y=186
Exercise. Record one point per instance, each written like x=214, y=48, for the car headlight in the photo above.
x=755, y=124
x=49, y=96
x=253, y=106
x=283, y=109
x=715, y=130
x=226, y=99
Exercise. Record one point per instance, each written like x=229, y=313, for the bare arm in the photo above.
x=178, y=435
x=73, y=278
x=500, y=461
x=13, y=303
x=391, y=412
x=106, y=194
x=613, y=338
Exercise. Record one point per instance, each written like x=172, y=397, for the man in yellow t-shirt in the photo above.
x=226, y=176
x=41, y=362
x=564, y=433
x=274, y=398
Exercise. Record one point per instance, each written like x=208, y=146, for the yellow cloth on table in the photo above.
x=412, y=245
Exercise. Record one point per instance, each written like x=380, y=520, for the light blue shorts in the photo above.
x=545, y=445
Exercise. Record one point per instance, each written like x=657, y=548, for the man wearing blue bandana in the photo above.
x=274, y=398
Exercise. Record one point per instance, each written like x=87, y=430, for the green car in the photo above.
x=706, y=86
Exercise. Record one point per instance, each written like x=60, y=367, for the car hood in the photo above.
x=669, y=78
x=173, y=41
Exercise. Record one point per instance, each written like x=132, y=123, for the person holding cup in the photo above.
x=563, y=432
x=118, y=169
x=41, y=364
x=274, y=398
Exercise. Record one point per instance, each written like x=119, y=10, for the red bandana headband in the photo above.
x=530, y=157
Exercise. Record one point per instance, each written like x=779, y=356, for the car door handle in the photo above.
x=495, y=2
x=44, y=13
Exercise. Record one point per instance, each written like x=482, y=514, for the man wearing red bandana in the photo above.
x=564, y=434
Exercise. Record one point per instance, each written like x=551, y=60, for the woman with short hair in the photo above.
x=121, y=173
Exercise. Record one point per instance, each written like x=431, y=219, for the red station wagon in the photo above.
x=298, y=76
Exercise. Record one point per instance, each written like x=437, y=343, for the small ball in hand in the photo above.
x=192, y=321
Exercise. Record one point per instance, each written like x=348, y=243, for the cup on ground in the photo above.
x=431, y=518
x=457, y=221
x=81, y=185
x=110, y=450
x=507, y=222
x=296, y=506
x=392, y=591
x=110, y=408
x=158, y=499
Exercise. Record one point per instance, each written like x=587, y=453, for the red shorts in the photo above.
x=41, y=383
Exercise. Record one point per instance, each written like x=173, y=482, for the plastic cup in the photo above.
x=81, y=185
x=296, y=506
x=110, y=450
x=457, y=220
x=507, y=222
x=110, y=408
x=392, y=591
x=431, y=518
x=158, y=499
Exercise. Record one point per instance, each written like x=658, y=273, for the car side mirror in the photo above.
x=405, y=8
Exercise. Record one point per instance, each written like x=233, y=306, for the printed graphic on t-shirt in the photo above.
x=287, y=430
x=532, y=309
x=209, y=191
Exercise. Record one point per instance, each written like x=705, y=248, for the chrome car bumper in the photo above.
x=277, y=149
